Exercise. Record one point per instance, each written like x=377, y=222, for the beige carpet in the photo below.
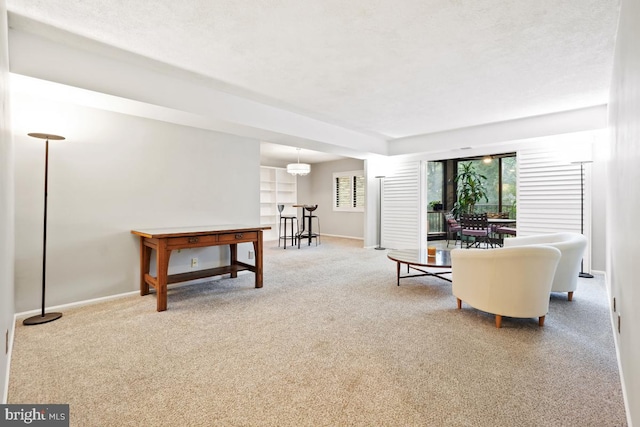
x=330, y=340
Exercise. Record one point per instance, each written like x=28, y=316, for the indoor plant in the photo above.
x=436, y=205
x=470, y=189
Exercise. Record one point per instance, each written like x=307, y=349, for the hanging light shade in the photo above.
x=298, y=168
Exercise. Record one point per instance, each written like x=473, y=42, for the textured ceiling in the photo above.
x=393, y=68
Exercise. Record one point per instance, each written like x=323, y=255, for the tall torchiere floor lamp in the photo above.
x=380, y=178
x=44, y=317
x=582, y=162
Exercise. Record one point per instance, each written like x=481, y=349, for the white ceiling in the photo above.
x=389, y=68
x=279, y=155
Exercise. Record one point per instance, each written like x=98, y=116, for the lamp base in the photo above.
x=379, y=248
x=585, y=275
x=37, y=320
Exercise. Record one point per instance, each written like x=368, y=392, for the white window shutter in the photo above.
x=401, y=206
x=549, y=193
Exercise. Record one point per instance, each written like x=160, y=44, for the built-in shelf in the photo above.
x=276, y=187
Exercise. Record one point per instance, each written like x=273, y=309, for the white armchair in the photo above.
x=513, y=282
x=571, y=245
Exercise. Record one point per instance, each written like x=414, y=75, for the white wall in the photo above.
x=115, y=173
x=624, y=200
x=317, y=189
x=598, y=182
x=6, y=203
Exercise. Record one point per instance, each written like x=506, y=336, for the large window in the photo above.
x=348, y=191
x=435, y=184
x=435, y=197
x=500, y=185
x=509, y=184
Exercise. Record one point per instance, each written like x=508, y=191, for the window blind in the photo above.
x=343, y=191
x=349, y=190
x=358, y=191
x=549, y=193
x=401, y=207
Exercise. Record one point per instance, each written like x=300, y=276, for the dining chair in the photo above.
x=453, y=229
x=475, y=225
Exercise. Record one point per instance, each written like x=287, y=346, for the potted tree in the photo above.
x=470, y=185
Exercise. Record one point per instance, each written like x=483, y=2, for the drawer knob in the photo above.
x=193, y=239
x=239, y=236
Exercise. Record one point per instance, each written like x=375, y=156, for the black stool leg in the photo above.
x=285, y=233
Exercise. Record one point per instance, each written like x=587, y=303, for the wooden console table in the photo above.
x=164, y=240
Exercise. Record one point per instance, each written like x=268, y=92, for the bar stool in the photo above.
x=307, y=225
x=311, y=217
x=288, y=220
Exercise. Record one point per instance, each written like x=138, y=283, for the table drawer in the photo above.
x=191, y=241
x=238, y=237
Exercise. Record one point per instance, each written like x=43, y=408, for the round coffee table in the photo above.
x=415, y=258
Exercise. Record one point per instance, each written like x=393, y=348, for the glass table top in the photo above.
x=442, y=257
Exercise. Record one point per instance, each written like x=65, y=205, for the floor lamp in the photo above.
x=380, y=178
x=44, y=317
x=582, y=162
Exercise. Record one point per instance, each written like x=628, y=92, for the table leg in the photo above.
x=233, y=247
x=162, y=269
x=292, y=237
x=398, y=273
x=285, y=232
x=145, y=262
x=257, y=249
x=301, y=232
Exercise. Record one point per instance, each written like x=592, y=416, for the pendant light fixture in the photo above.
x=298, y=168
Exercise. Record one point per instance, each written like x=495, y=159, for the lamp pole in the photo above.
x=380, y=178
x=582, y=162
x=44, y=317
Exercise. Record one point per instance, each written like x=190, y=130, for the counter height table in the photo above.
x=307, y=225
x=164, y=240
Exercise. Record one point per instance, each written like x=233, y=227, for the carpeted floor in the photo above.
x=330, y=340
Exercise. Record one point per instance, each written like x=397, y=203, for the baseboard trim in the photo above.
x=341, y=237
x=614, y=331
x=76, y=304
x=5, y=391
x=327, y=235
x=117, y=296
